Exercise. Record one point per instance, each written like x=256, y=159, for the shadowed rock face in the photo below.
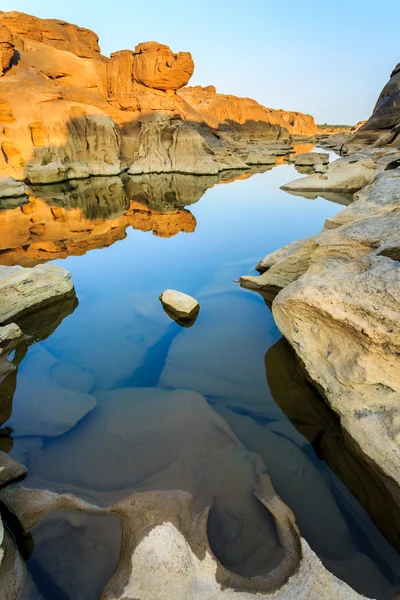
x=383, y=127
x=72, y=113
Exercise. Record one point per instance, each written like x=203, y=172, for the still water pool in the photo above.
x=93, y=409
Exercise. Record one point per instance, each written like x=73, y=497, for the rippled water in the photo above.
x=92, y=408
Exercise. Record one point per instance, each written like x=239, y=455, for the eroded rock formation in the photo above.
x=383, y=127
x=68, y=112
x=339, y=308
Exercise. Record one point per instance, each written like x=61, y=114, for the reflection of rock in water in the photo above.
x=316, y=422
x=343, y=198
x=167, y=191
x=312, y=418
x=36, y=327
x=74, y=217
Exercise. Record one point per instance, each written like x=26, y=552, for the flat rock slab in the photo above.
x=179, y=304
x=311, y=159
x=343, y=175
x=26, y=289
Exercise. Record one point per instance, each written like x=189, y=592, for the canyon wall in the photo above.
x=67, y=111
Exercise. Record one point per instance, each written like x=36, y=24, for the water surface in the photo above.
x=92, y=408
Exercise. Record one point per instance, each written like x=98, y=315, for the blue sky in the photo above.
x=330, y=59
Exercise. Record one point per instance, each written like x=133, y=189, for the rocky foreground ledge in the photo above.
x=336, y=299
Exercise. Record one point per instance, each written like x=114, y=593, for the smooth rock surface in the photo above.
x=11, y=188
x=339, y=308
x=10, y=470
x=176, y=572
x=9, y=332
x=180, y=304
x=27, y=289
x=343, y=175
x=311, y=159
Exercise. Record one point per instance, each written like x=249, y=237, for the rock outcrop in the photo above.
x=383, y=127
x=6, y=49
x=339, y=308
x=343, y=175
x=156, y=66
x=246, y=115
x=24, y=290
x=69, y=112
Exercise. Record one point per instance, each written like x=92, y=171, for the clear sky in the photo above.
x=327, y=58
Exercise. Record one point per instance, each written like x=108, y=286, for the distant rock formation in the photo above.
x=68, y=112
x=383, y=127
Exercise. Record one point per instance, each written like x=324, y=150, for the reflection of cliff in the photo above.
x=315, y=421
x=73, y=218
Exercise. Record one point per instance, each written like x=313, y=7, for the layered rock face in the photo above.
x=246, y=114
x=68, y=112
x=339, y=309
x=383, y=127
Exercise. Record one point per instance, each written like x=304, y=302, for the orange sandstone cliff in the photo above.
x=67, y=111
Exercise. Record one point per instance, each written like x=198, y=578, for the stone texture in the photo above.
x=10, y=188
x=181, y=305
x=9, y=332
x=72, y=113
x=23, y=290
x=343, y=175
x=311, y=159
x=6, y=49
x=178, y=573
x=12, y=569
x=383, y=127
x=339, y=309
x=156, y=66
x=59, y=34
x=245, y=114
x=10, y=470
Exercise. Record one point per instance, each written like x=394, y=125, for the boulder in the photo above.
x=24, y=290
x=311, y=159
x=156, y=66
x=383, y=127
x=179, y=304
x=343, y=175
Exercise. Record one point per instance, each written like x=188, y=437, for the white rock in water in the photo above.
x=180, y=304
x=9, y=332
x=22, y=289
